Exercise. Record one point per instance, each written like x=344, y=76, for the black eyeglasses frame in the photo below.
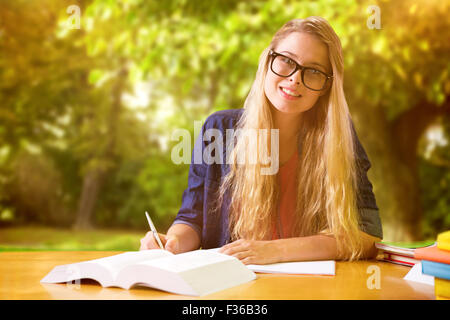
x=274, y=54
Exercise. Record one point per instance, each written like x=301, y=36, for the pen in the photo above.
x=153, y=229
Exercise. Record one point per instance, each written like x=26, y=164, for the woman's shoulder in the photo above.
x=227, y=113
x=223, y=118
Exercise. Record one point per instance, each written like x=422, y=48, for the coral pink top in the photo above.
x=287, y=179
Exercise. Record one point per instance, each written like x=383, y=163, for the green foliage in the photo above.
x=64, y=109
x=32, y=238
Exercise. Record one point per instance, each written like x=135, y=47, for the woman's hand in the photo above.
x=253, y=251
x=170, y=243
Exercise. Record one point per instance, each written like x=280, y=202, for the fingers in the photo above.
x=149, y=242
x=236, y=246
x=172, y=244
x=248, y=260
x=241, y=255
x=239, y=249
x=246, y=256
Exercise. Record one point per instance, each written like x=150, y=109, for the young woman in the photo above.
x=320, y=204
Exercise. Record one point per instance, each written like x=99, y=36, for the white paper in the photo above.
x=327, y=267
x=416, y=275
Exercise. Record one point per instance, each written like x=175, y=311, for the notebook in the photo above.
x=325, y=267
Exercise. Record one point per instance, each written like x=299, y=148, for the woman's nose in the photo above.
x=296, y=77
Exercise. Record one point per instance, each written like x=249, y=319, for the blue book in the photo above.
x=436, y=269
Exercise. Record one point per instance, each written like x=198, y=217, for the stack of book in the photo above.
x=400, y=253
x=436, y=262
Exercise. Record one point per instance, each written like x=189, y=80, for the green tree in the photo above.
x=100, y=103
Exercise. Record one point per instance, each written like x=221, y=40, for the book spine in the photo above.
x=442, y=287
x=403, y=252
x=399, y=259
x=398, y=262
x=434, y=254
x=443, y=241
x=436, y=269
x=444, y=246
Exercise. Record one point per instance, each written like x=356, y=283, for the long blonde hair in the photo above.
x=326, y=200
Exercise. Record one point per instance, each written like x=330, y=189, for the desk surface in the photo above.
x=21, y=272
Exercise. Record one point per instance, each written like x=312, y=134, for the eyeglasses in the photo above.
x=284, y=66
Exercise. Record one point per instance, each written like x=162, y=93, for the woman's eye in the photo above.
x=287, y=61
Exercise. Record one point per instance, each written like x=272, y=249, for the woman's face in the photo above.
x=288, y=94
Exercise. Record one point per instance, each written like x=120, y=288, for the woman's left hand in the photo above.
x=253, y=251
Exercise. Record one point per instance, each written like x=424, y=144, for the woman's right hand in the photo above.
x=170, y=243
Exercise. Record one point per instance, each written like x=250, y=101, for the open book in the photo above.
x=194, y=273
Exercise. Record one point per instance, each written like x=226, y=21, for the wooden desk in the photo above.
x=21, y=272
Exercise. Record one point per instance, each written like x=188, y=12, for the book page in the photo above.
x=189, y=260
x=115, y=263
x=195, y=273
x=327, y=267
x=103, y=270
x=416, y=275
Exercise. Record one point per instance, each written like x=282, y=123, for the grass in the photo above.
x=37, y=238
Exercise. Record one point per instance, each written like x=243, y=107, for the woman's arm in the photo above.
x=321, y=247
x=179, y=238
x=185, y=238
x=318, y=247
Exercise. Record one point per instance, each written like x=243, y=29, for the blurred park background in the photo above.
x=91, y=91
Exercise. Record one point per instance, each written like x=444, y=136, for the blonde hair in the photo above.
x=326, y=195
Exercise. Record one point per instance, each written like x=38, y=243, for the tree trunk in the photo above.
x=394, y=186
x=92, y=183
x=392, y=149
x=93, y=179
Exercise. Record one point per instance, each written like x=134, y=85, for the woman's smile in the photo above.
x=288, y=93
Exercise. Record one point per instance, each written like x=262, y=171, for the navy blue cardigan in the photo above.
x=204, y=179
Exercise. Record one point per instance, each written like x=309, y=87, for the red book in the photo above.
x=433, y=254
x=400, y=259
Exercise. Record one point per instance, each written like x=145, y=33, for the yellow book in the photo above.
x=442, y=298
x=442, y=287
x=443, y=240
